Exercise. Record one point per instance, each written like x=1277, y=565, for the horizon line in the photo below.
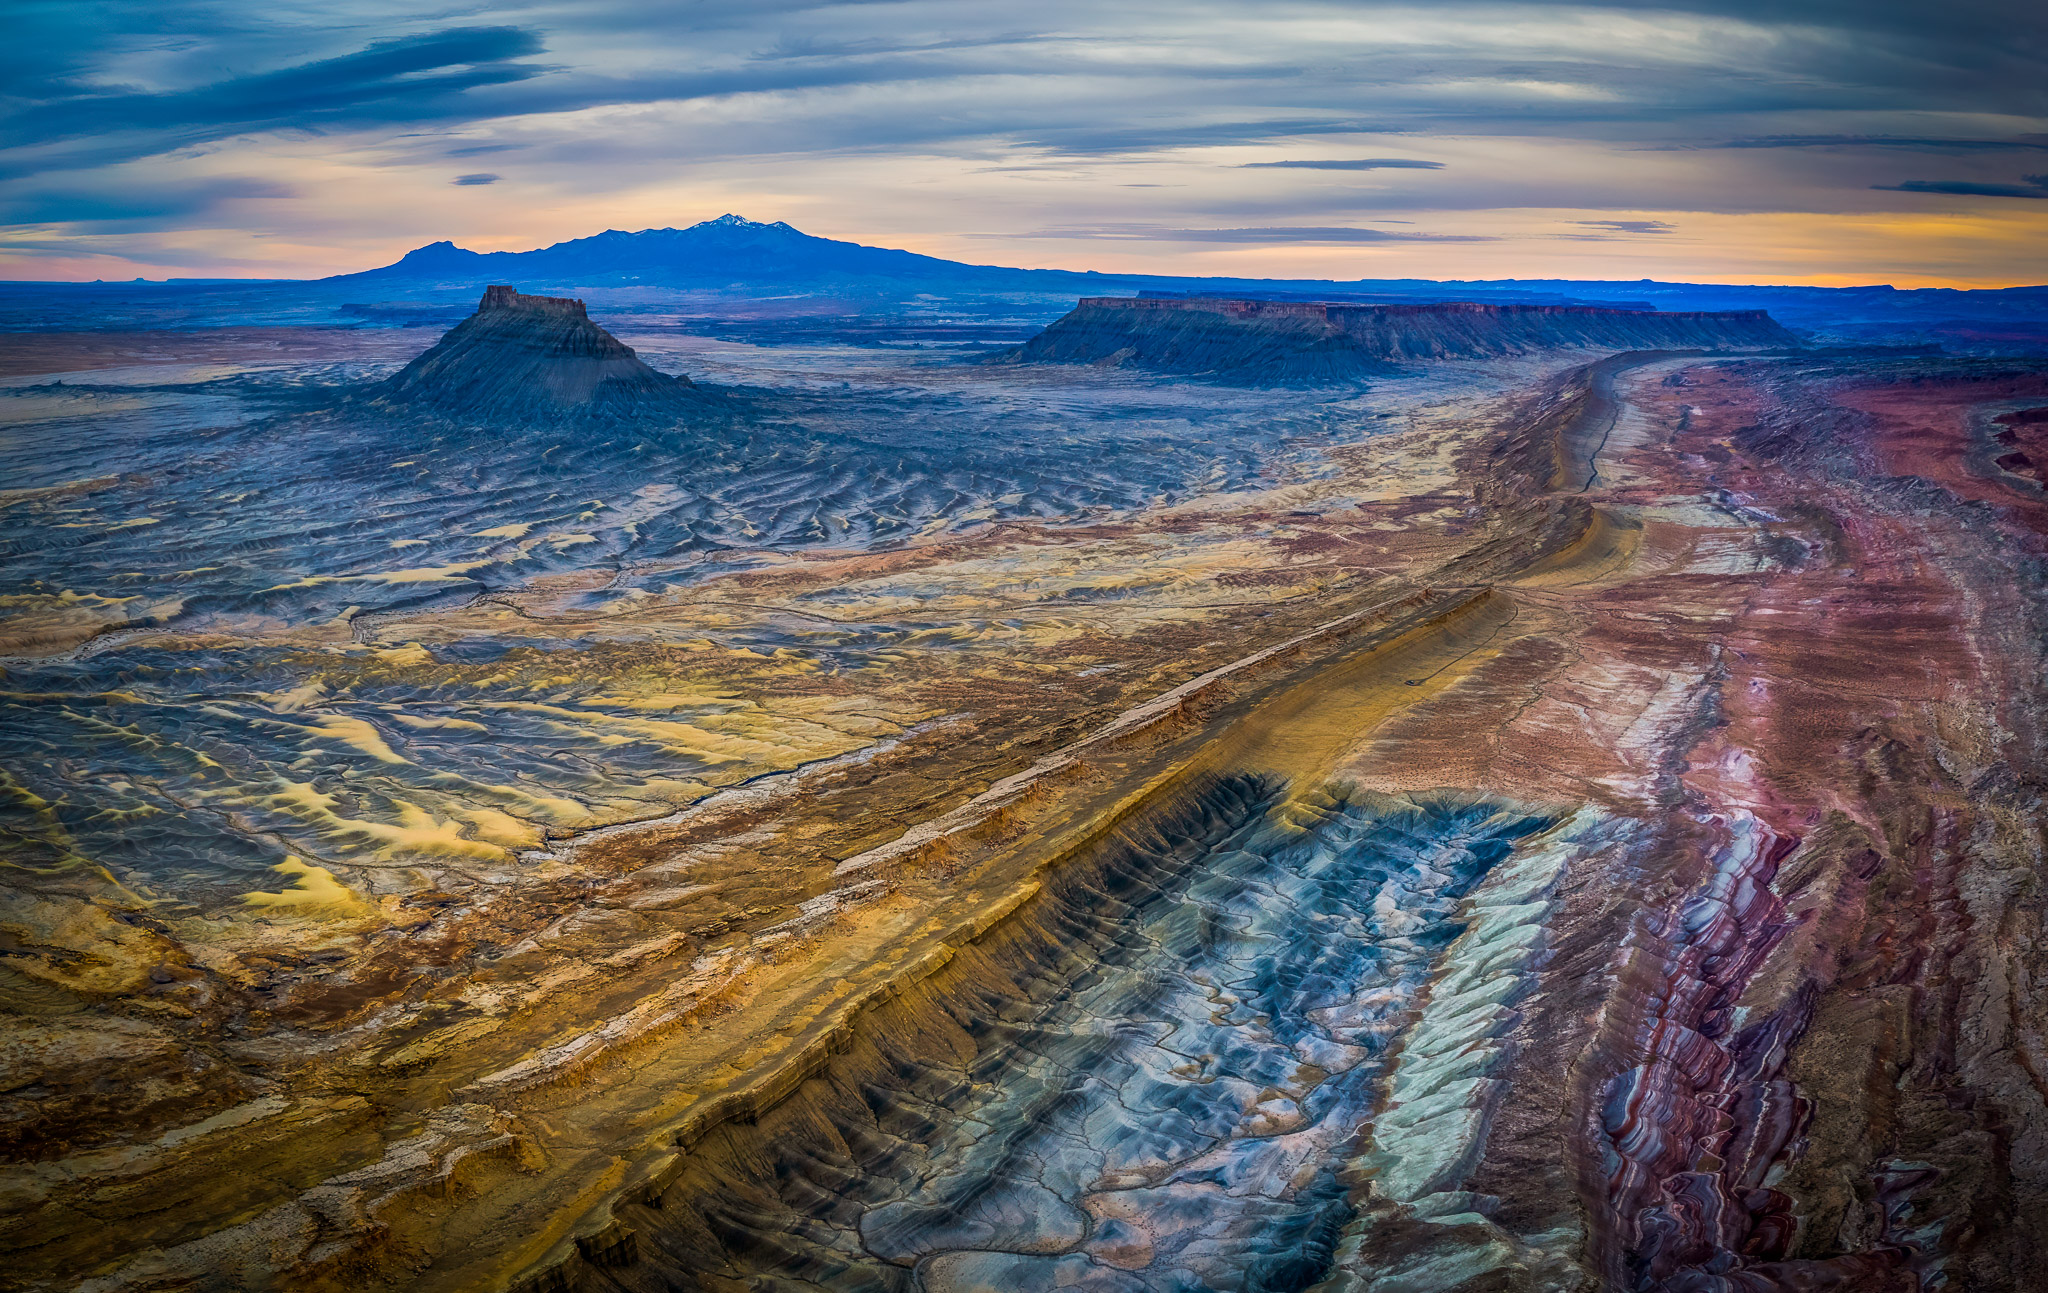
x=732, y=218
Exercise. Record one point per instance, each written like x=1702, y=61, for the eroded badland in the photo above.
x=1546, y=821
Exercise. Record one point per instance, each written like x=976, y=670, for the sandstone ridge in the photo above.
x=1293, y=341
x=523, y=359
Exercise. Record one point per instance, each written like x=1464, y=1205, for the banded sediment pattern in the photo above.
x=1145, y=1078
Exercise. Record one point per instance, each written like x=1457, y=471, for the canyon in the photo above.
x=1463, y=797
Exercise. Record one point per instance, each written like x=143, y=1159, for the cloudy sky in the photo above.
x=1822, y=141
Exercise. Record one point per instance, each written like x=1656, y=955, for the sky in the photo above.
x=1752, y=141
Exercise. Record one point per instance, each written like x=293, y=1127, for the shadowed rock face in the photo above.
x=1289, y=341
x=2023, y=435
x=534, y=359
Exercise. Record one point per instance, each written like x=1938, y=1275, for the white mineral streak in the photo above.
x=1442, y=1091
x=674, y=1005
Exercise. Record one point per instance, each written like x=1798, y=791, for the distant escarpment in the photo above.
x=1295, y=341
x=526, y=359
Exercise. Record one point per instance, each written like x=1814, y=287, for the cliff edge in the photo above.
x=1294, y=341
x=534, y=359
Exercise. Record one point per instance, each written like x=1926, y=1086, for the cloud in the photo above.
x=1628, y=226
x=482, y=177
x=1348, y=164
x=2031, y=186
x=1544, y=113
x=1316, y=67
x=1330, y=234
x=1928, y=143
x=403, y=80
x=1088, y=138
x=131, y=202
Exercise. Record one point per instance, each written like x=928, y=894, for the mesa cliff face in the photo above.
x=534, y=358
x=1287, y=341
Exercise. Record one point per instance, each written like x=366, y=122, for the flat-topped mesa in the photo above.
x=1286, y=341
x=535, y=359
x=501, y=296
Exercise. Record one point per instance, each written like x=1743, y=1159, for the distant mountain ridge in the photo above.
x=717, y=253
x=736, y=256
x=733, y=268
x=732, y=250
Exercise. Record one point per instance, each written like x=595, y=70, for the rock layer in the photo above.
x=1288, y=341
x=1145, y=1078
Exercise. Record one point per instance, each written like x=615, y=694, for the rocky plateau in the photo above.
x=1295, y=341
